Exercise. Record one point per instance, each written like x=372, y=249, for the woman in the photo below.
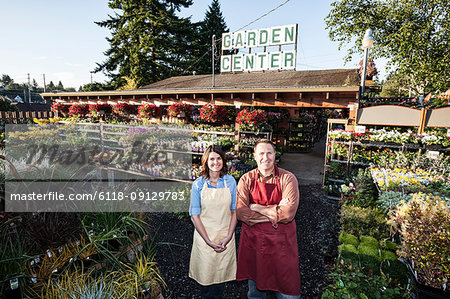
x=213, y=212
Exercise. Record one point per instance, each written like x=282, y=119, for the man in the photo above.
x=267, y=201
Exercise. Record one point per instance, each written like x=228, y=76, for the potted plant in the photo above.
x=212, y=113
x=78, y=110
x=61, y=109
x=179, y=110
x=149, y=111
x=424, y=225
x=252, y=120
x=371, y=69
x=123, y=109
x=100, y=109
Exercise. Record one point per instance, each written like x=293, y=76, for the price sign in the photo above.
x=432, y=154
x=360, y=129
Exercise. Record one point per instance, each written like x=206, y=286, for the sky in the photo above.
x=59, y=38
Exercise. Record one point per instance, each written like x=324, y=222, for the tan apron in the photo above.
x=207, y=266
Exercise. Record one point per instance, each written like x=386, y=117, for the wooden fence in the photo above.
x=15, y=117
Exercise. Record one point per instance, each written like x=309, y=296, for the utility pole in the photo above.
x=213, y=52
x=43, y=75
x=91, y=79
x=29, y=92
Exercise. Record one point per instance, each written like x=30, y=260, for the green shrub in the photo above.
x=346, y=238
x=388, y=255
x=364, y=221
x=354, y=284
x=388, y=200
x=349, y=253
x=366, y=193
x=386, y=244
x=368, y=240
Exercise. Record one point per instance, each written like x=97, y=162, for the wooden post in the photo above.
x=423, y=118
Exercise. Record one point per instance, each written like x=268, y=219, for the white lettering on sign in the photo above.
x=265, y=37
x=261, y=61
x=273, y=36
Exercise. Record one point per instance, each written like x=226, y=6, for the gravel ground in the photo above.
x=174, y=237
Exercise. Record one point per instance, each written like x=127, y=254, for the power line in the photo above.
x=267, y=13
x=220, y=39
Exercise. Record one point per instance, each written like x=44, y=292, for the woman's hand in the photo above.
x=218, y=247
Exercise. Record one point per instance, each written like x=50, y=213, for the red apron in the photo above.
x=267, y=255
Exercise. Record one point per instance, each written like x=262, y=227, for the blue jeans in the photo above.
x=254, y=293
x=213, y=291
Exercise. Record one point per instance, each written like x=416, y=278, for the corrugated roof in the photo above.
x=286, y=79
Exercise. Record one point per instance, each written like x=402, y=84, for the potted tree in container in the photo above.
x=424, y=225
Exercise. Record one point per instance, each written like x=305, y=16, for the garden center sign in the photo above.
x=275, y=60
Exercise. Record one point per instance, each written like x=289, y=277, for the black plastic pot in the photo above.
x=426, y=292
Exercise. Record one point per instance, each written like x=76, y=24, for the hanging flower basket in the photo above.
x=212, y=113
x=252, y=120
x=371, y=69
x=100, y=109
x=78, y=110
x=60, y=108
x=179, y=110
x=123, y=109
x=149, y=111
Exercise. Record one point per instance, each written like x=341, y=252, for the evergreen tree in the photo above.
x=5, y=80
x=148, y=43
x=34, y=86
x=51, y=86
x=213, y=23
x=60, y=86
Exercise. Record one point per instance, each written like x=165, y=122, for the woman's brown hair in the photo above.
x=205, y=169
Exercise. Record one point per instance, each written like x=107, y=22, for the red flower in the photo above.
x=95, y=108
x=176, y=110
x=123, y=109
x=78, y=110
x=253, y=118
x=212, y=113
x=60, y=108
x=149, y=111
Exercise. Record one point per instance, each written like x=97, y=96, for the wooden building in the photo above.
x=290, y=89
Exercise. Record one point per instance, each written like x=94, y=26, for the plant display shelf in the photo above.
x=300, y=135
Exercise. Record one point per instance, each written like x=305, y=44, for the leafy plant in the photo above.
x=94, y=109
x=252, y=118
x=61, y=108
x=352, y=283
x=424, y=224
x=388, y=200
x=179, y=109
x=12, y=255
x=365, y=194
x=367, y=221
